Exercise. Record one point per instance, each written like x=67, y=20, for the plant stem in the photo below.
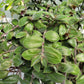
x=64, y=82
x=31, y=79
x=42, y=53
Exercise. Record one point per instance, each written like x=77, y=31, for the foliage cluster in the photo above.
x=45, y=43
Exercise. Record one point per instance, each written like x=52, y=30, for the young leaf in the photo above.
x=62, y=30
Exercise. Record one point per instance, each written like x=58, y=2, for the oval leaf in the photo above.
x=28, y=54
x=62, y=30
x=32, y=42
x=51, y=36
x=53, y=56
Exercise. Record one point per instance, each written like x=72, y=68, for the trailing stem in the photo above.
x=42, y=53
x=64, y=82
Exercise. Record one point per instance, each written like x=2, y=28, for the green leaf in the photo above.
x=22, y=21
x=56, y=44
x=15, y=22
x=17, y=61
x=20, y=34
x=68, y=82
x=81, y=45
x=65, y=50
x=35, y=60
x=56, y=77
x=26, y=1
x=48, y=13
x=62, y=30
x=72, y=42
x=3, y=74
x=50, y=82
x=28, y=54
x=35, y=32
x=36, y=81
x=32, y=42
x=39, y=75
x=73, y=33
x=12, y=79
x=7, y=28
x=75, y=2
x=8, y=7
x=47, y=70
x=9, y=35
x=44, y=61
x=80, y=80
x=52, y=36
x=53, y=56
x=65, y=67
x=29, y=27
x=5, y=65
x=63, y=18
x=18, y=50
x=37, y=67
x=37, y=15
x=76, y=70
x=4, y=45
x=39, y=24
x=31, y=12
x=1, y=82
x=1, y=27
x=80, y=57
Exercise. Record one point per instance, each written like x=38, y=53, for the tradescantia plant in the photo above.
x=45, y=43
